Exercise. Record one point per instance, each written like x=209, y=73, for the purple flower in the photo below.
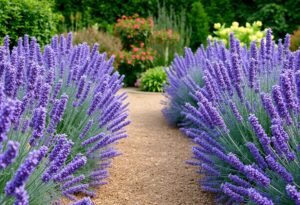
x=75, y=189
x=58, y=157
x=70, y=168
x=257, y=198
x=25, y=170
x=82, y=82
x=256, y=175
x=252, y=73
x=9, y=80
x=236, y=68
x=297, y=78
x=287, y=44
x=269, y=107
x=39, y=122
x=32, y=76
x=22, y=197
x=256, y=155
x=6, y=112
x=94, y=103
x=235, y=162
x=286, y=89
x=57, y=89
x=235, y=111
x=84, y=201
x=9, y=155
x=280, y=104
x=93, y=139
x=44, y=95
x=86, y=129
x=260, y=133
x=239, y=181
x=268, y=44
x=73, y=181
x=293, y=193
x=233, y=195
x=279, y=169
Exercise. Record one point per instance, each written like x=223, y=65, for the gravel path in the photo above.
x=152, y=169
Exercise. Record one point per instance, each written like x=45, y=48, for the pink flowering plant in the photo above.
x=133, y=30
x=244, y=119
x=133, y=63
x=60, y=115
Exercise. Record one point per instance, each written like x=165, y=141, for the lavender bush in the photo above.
x=185, y=76
x=61, y=113
x=245, y=122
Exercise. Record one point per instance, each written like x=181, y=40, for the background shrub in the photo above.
x=35, y=18
x=133, y=30
x=171, y=34
x=153, y=80
x=245, y=34
x=295, y=40
x=107, y=43
x=198, y=20
x=133, y=63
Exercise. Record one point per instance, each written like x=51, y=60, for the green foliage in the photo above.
x=20, y=17
x=199, y=21
x=246, y=34
x=274, y=15
x=218, y=11
x=153, y=80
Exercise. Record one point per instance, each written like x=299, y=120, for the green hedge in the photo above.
x=32, y=17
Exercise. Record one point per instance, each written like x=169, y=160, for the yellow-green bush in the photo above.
x=246, y=34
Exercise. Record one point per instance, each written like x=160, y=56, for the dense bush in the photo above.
x=133, y=30
x=107, y=43
x=20, y=17
x=199, y=23
x=245, y=122
x=246, y=34
x=153, y=80
x=60, y=116
x=295, y=40
x=133, y=63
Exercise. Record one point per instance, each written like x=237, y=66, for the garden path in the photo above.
x=152, y=169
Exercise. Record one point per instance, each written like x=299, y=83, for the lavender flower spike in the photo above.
x=260, y=133
x=10, y=154
x=70, y=168
x=293, y=193
x=257, y=198
x=25, y=170
x=22, y=197
x=85, y=201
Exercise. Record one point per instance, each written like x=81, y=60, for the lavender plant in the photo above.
x=245, y=123
x=184, y=76
x=61, y=113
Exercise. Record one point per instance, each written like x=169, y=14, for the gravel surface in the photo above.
x=152, y=169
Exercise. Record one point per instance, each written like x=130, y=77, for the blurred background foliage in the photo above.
x=281, y=15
